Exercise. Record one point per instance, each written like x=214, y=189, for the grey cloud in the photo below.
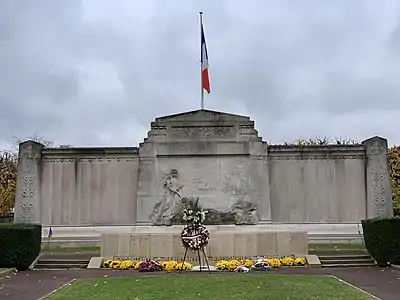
x=98, y=72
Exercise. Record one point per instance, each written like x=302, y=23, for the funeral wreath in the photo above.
x=194, y=235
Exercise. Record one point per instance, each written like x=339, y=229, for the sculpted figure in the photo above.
x=171, y=204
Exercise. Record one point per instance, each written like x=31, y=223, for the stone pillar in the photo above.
x=27, y=197
x=378, y=183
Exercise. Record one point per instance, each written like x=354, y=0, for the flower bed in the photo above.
x=234, y=265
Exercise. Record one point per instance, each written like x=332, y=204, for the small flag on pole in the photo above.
x=50, y=233
x=205, y=79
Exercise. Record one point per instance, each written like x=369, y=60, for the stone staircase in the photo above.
x=62, y=261
x=343, y=258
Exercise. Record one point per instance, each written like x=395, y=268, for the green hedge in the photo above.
x=19, y=245
x=382, y=239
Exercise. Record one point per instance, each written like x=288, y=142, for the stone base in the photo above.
x=89, y=236
x=221, y=245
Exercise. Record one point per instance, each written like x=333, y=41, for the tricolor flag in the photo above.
x=205, y=79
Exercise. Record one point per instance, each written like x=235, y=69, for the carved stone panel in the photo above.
x=27, y=198
x=203, y=132
x=220, y=183
x=379, y=193
x=170, y=204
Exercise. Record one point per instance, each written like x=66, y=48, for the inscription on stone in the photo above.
x=203, y=132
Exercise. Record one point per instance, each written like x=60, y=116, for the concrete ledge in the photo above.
x=7, y=271
x=313, y=261
x=95, y=263
x=396, y=267
x=32, y=266
x=89, y=236
x=316, y=229
x=221, y=244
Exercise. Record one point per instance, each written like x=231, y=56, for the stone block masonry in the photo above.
x=221, y=245
x=215, y=156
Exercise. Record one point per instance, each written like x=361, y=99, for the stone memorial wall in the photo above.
x=215, y=156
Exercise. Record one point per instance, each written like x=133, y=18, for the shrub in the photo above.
x=382, y=239
x=19, y=245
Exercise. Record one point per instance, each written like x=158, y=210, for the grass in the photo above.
x=217, y=286
x=336, y=246
x=70, y=249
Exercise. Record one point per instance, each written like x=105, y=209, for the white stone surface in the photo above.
x=96, y=231
x=326, y=190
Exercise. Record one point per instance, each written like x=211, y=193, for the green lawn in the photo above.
x=216, y=286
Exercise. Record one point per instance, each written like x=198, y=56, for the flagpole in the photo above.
x=201, y=59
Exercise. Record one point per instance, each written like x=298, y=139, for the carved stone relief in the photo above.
x=203, y=132
x=27, y=178
x=171, y=203
x=379, y=173
x=168, y=210
x=245, y=213
x=121, y=159
x=315, y=157
x=201, y=184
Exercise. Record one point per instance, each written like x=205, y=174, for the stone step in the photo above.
x=60, y=266
x=345, y=257
x=350, y=265
x=70, y=255
x=346, y=261
x=63, y=261
x=75, y=261
x=335, y=252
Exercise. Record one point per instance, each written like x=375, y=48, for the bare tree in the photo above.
x=35, y=137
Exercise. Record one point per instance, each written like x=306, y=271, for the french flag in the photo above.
x=205, y=78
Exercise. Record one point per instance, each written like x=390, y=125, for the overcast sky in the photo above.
x=96, y=73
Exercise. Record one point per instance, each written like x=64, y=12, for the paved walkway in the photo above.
x=31, y=285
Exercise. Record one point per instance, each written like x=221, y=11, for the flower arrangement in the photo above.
x=260, y=264
x=195, y=236
x=233, y=265
x=193, y=213
x=300, y=261
x=147, y=265
x=275, y=262
x=173, y=265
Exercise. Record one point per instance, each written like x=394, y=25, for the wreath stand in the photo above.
x=199, y=256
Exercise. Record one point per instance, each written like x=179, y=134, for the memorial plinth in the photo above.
x=221, y=245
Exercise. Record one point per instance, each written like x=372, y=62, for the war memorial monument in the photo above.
x=261, y=199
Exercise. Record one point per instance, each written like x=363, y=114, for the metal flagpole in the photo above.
x=201, y=60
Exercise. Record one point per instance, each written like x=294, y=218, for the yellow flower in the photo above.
x=300, y=261
x=169, y=266
x=233, y=264
x=274, y=262
x=247, y=263
x=136, y=265
x=287, y=261
x=222, y=265
x=126, y=264
x=115, y=264
x=183, y=266
x=106, y=264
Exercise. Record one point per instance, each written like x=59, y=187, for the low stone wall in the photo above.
x=221, y=245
